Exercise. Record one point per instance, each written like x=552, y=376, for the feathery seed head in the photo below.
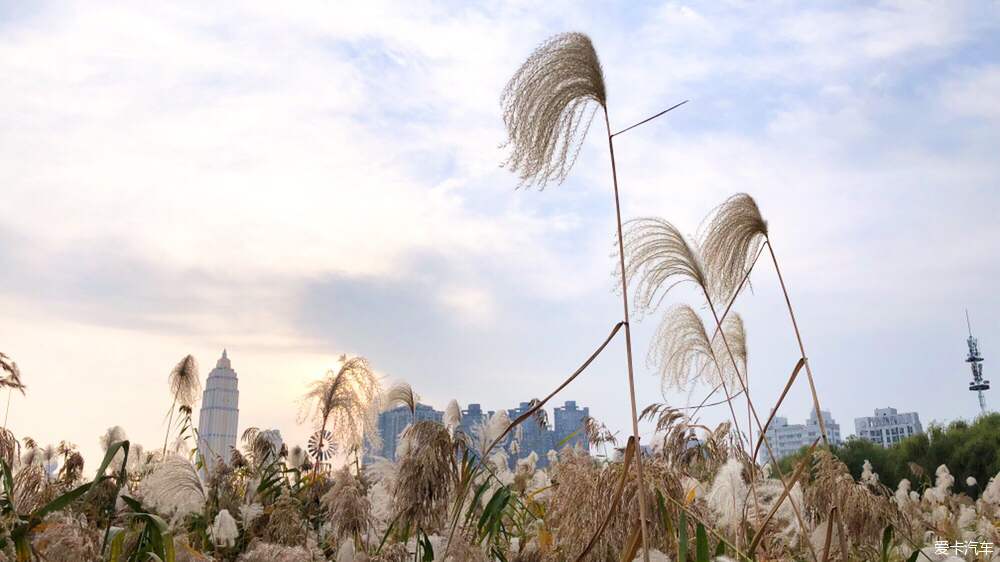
x=731, y=241
x=184, y=383
x=453, y=415
x=224, y=531
x=683, y=352
x=400, y=394
x=547, y=108
x=173, y=488
x=344, y=402
x=658, y=257
x=13, y=377
x=425, y=475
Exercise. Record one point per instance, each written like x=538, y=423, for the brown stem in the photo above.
x=812, y=388
x=802, y=349
x=745, y=389
x=628, y=350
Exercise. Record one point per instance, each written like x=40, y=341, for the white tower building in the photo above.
x=219, y=413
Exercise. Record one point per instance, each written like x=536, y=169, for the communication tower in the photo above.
x=975, y=360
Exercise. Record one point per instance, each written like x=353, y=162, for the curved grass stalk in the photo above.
x=467, y=478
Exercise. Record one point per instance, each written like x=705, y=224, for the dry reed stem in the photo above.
x=628, y=348
x=616, y=499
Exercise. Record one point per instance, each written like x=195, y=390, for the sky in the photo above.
x=293, y=183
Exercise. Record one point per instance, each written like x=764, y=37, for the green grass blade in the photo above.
x=682, y=538
x=701, y=544
x=886, y=541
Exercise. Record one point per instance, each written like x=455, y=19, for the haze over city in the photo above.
x=296, y=183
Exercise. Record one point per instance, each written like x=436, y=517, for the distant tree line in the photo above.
x=966, y=449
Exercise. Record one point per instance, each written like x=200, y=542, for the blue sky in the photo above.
x=293, y=183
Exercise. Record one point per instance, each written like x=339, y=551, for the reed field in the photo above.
x=697, y=493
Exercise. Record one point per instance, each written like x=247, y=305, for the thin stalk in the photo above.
x=628, y=349
x=170, y=421
x=648, y=119
x=482, y=458
x=745, y=389
x=812, y=388
x=798, y=336
x=9, y=390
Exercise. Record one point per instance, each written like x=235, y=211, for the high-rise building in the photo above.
x=217, y=422
x=569, y=426
x=391, y=424
x=888, y=426
x=786, y=439
x=535, y=437
x=471, y=417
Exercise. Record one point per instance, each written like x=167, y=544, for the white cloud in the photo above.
x=177, y=179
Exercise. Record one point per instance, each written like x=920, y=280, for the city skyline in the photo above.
x=297, y=183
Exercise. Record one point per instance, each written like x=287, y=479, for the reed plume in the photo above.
x=548, y=110
x=732, y=240
x=10, y=447
x=401, y=394
x=453, y=416
x=110, y=437
x=184, y=383
x=732, y=243
x=660, y=258
x=682, y=351
x=425, y=475
x=342, y=402
x=12, y=379
x=184, y=387
x=347, y=505
x=173, y=488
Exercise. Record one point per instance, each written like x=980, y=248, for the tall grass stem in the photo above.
x=628, y=349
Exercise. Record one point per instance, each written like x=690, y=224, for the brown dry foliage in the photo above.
x=581, y=498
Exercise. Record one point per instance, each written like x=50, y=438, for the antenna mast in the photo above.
x=975, y=360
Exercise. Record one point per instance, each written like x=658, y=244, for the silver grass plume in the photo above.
x=184, y=383
x=489, y=430
x=453, y=416
x=29, y=488
x=173, y=488
x=658, y=257
x=541, y=416
x=547, y=108
x=598, y=433
x=347, y=505
x=224, y=531
x=683, y=352
x=401, y=394
x=425, y=475
x=731, y=241
x=10, y=447
x=736, y=336
x=728, y=495
x=110, y=437
x=342, y=403
x=13, y=377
